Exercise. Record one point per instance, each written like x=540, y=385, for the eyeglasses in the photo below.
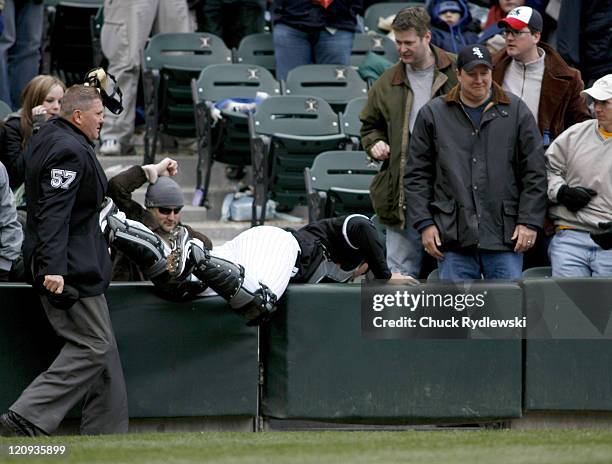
x=506, y=32
x=167, y=211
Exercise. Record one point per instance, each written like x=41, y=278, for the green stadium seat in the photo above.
x=351, y=121
x=287, y=133
x=375, y=43
x=5, y=110
x=338, y=183
x=226, y=141
x=95, y=25
x=336, y=84
x=434, y=276
x=257, y=49
x=383, y=10
x=537, y=272
x=71, y=51
x=170, y=62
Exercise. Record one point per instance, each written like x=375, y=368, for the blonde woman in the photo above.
x=41, y=99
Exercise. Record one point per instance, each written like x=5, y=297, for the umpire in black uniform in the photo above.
x=68, y=256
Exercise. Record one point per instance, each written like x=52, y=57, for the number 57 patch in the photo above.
x=61, y=178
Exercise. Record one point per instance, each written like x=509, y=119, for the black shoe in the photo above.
x=13, y=425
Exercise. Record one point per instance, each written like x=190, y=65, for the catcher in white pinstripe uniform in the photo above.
x=253, y=270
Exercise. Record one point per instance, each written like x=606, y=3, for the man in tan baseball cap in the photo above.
x=578, y=169
x=601, y=93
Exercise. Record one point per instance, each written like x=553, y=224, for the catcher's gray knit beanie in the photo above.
x=165, y=192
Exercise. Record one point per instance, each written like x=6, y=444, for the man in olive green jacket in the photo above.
x=423, y=72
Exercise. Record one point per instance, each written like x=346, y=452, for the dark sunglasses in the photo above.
x=167, y=211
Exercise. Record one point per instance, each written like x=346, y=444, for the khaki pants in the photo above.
x=127, y=26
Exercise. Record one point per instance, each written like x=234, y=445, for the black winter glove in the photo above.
x=575, y=198
x=604, y=239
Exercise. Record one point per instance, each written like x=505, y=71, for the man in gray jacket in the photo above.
x=578, y=167
x=475, y=179
x=11, y=235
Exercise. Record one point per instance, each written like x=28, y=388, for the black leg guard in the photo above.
x=226, y=278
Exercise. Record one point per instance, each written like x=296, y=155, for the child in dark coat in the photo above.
x=451, y=21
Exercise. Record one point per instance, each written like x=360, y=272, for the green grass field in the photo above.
x=431, y=446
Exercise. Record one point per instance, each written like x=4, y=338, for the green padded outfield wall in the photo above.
x=179, y=359
x=568, y=365
x=27, y=342
x=319, y=367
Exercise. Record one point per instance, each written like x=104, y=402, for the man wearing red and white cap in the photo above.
x=551, y=89
x=578, y=169
x=536, y=73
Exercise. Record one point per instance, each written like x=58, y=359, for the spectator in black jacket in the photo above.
x=230, y=19
x=313, y=32
x=585, y=37
x=41, y=100
x=475, y=179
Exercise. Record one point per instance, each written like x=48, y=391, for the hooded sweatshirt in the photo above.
x=451, y=38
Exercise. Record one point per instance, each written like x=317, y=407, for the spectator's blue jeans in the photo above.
x=404, y=251
x=474, y=264
x=574, y=254
x=19, y=48
x=293, y=48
